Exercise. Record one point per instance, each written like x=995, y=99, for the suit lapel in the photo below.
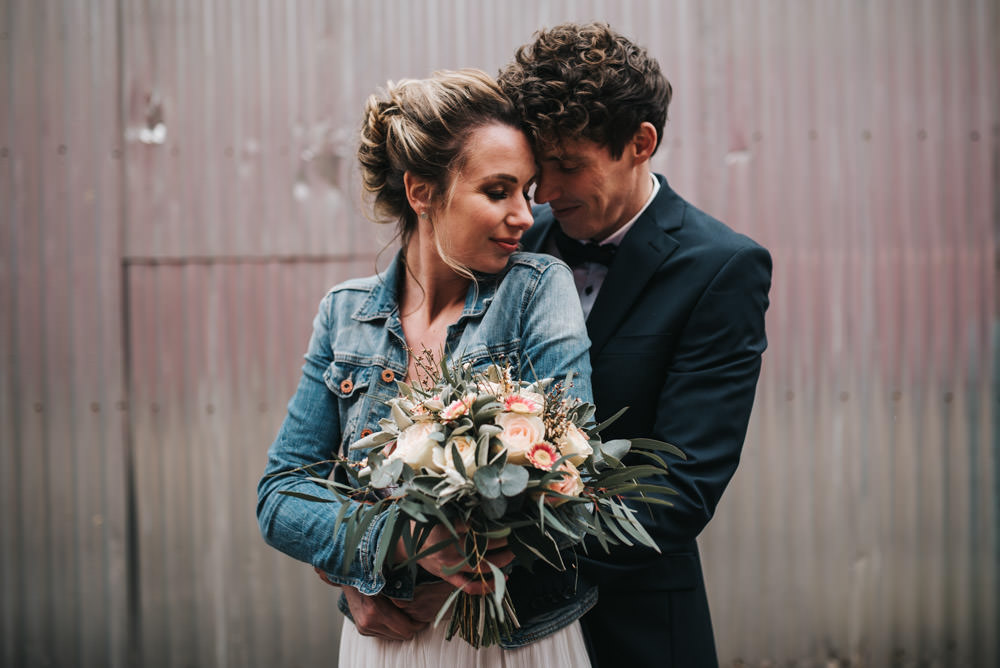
x=643, y=250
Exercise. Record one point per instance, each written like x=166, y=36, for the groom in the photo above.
x=675, y=305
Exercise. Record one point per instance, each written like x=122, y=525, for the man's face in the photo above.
x=591, y=193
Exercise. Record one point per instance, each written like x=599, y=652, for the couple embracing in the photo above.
x=651, y=304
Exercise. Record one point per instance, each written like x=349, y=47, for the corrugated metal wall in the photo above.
x=177, y=191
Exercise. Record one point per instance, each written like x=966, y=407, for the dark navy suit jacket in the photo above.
x=677, y=333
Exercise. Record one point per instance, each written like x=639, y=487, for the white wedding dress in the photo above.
x=429, y=649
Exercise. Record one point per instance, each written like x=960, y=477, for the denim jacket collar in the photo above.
x=383, y=299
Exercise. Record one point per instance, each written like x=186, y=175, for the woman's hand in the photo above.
x=476, y=578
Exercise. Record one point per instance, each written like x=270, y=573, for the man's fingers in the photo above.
x=377, y=616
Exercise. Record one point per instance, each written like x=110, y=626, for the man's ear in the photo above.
x=644, y=142
x=418, y=192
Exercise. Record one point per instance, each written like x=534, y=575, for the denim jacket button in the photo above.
x=397, y=584
x=346, y=385
x=388, y=375
x=366, y=433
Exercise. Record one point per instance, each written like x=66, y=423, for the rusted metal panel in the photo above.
x=64, y=570
x=199, y=157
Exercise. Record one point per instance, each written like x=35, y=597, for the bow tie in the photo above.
x=575, y=253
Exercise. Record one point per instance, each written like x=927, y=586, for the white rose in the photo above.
x=520, y=432
x=415, y=446
x=466, y=451
x=575, y=444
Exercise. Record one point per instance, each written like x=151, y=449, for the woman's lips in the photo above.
x=509, y=245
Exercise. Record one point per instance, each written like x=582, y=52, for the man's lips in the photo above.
x=565, y=210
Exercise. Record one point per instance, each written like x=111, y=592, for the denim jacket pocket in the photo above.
x=482, y=355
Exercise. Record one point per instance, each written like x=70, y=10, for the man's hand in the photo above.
x=391, y=618
x=474, y=581
x=427, y=601
x=378, y=616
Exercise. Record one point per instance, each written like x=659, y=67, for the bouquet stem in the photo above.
x=478, y=622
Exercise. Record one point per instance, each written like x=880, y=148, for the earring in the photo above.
x=423, y=214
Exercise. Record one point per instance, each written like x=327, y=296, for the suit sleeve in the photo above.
x=708, y=393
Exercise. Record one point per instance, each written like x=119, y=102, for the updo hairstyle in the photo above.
x=422, y=126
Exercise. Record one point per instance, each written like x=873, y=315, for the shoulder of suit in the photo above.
x=702, y=228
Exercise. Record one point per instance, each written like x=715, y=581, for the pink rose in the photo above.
x=571, y=484
x=520, y=432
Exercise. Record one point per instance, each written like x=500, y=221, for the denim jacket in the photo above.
x=528, y=313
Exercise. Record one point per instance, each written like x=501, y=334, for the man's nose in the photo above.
x=546, y=189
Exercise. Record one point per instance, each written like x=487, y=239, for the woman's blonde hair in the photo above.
x=423, y=126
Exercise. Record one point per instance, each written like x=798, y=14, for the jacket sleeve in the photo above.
x=310, y=434
x=705, y=400
x=709, y=390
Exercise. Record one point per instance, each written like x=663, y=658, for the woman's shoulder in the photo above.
x=536, y=263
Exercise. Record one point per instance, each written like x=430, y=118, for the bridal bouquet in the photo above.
x=497, y=457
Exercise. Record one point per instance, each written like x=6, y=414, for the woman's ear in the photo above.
x=644, y=141
x=418, y=192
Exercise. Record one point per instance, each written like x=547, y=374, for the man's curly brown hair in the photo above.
x=586, y=81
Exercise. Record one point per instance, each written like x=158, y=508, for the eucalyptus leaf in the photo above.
x=387, y=538
x=387, y=474
x=494, y=509
x=617, y=448
x=305, y=497
x=373, y=440
x=608, y=422
x=651, y=444
x=499, y=587
x=400, y=417
x=513, y=479
x=487, y=480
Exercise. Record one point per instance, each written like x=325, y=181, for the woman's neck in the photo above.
x=430, y=289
